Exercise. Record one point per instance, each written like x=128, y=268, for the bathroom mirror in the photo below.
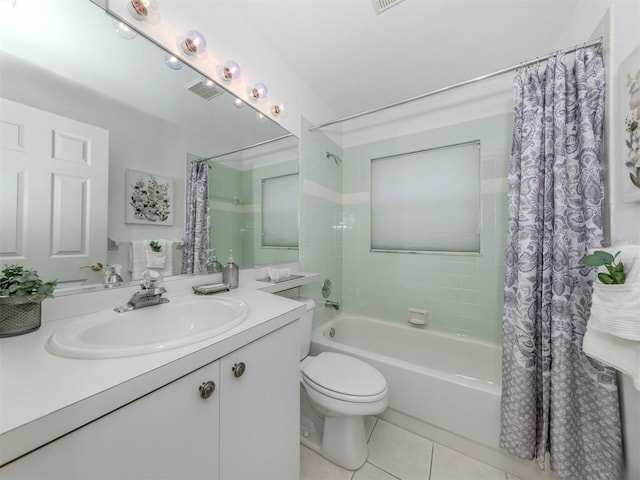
x=72, y=62
x=239, y=214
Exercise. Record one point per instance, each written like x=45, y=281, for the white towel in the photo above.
x=156, y=259
x=623, y=355
x=613, y=330
x=278, y=274
x=615, y=309
x=138, y=259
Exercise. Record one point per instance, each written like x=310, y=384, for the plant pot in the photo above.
x=19, y=316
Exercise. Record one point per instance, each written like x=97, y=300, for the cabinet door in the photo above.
x=169, y=433
x=260, y=409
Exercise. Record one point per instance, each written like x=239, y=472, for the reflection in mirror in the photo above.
x=237, y=209
x=112, y=103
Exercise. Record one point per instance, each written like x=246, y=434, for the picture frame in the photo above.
x=627, y=128
x=149, y=198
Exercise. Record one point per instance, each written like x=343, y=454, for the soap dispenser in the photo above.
x=213, y=265
x=230, y=272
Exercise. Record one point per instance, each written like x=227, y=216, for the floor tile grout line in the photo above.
x=433, y=451
x=372, y=429
x=383, y=470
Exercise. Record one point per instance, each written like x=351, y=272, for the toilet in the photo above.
x=336, y=392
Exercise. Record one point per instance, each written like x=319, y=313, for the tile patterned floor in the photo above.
x=396, y=454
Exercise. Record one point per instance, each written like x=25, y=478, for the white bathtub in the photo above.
x=448, y=381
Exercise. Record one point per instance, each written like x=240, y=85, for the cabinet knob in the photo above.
x=207, y=389
x=238, y=369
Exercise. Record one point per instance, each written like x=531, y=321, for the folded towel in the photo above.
x=615, y=310
x=156, y=259
x=623, y=355
x=278, y=274
x=613, y=329
x=138, y=259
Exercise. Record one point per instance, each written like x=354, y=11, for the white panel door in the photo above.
x=54, y=193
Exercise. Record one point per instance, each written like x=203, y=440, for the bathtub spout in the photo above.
x=329, y=303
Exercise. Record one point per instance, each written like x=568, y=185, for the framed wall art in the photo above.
x=628, y=125
x=149, y=198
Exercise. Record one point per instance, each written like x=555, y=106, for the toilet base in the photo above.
x=343, y=441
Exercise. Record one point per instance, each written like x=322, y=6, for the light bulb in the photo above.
x=143, y=10
x=208, y=83
x=259, y=91
x=230, y=71
x=237, y=102
x=139, y=9
x=277, y=109
x=194, y=43
x=172, y=62
x=124, y=30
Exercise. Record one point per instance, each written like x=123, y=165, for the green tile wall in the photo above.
x=320, y=234
x=463, y=294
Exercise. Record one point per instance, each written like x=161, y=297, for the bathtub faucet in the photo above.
x=329, y=303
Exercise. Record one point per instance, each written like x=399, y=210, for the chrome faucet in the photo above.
x=329, y=303
x=150, y=293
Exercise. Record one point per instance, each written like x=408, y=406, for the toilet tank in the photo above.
x=306, y=324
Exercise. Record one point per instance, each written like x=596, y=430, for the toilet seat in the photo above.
x=343, y=378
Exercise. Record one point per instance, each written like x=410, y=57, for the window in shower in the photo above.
x=280, y=211
x=427, y=201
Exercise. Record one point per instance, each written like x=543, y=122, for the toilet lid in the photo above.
x=345, y=375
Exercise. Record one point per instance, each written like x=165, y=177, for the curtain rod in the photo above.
x=455, y=85
x=245, y=148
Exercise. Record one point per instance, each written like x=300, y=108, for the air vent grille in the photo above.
x=381, y=5
x=204, y=92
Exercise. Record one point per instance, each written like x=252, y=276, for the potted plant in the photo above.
x=615, y=275
x=21, y=294
x=615, y=306
x=155, y=245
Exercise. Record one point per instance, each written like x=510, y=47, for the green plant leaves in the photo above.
x=598, y=258
x=18, y=282
x=616, y=275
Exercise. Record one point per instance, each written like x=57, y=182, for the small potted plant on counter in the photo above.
x=21, y=295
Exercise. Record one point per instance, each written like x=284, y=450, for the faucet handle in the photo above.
x=150, y=279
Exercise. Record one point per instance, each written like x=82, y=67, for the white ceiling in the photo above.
x=356, y=60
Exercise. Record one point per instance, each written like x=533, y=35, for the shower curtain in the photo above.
x=198, y=221
x=554, y=398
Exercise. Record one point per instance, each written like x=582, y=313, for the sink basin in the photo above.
x=109, y=334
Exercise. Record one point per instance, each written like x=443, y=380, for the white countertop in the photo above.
x=44, y=396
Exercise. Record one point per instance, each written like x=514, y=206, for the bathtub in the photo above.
x=447, y=381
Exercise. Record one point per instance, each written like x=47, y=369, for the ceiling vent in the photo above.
x=382, y=5
x=204, y=92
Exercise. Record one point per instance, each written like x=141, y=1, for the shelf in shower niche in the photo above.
x=268, y=280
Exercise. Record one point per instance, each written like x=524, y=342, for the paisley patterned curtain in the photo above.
x=197, y=222
x=554, y=398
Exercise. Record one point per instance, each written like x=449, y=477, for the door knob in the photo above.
x=96, y=267
x=238, y=369
x=207, y=389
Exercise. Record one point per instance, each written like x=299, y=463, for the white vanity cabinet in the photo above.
x=170, y=433
x=245, y=428
x=260, y=408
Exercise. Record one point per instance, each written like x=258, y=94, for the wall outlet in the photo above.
x=418, y=316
